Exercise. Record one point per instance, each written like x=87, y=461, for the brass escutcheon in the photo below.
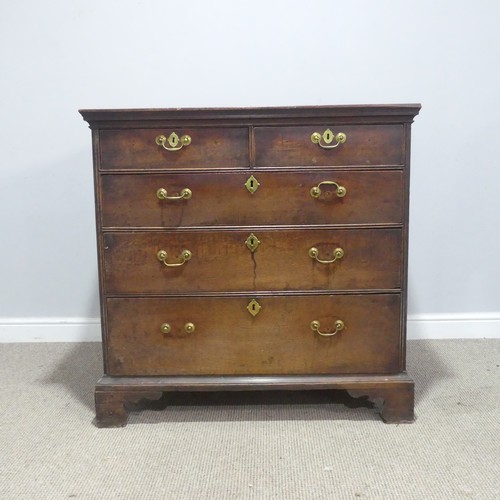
x=252, y=184
x=254, y=307
x=252, y=242
x=325, y=140
x=173, y=141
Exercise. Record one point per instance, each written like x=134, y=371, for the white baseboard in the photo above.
x=454, y=326
x=50, y=330
x=420, y=326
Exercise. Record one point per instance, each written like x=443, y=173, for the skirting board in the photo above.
x=421, y=326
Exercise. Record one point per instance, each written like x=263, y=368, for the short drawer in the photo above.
x=138, y=149
x=364, y=145
x=294, y=198
x=218, y=261
x=219, y=336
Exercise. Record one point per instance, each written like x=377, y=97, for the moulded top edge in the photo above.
x=406, y=112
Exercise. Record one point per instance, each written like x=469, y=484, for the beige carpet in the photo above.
x=253, y=446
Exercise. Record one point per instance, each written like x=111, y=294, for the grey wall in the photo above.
x=58, y=56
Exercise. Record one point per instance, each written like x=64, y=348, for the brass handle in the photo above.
x=188, y=327
x=325, y=140
x=173, y=141
x=185, y=194
x=339, y=326
x=341, y=191
x=338, y=253
x=162, y=257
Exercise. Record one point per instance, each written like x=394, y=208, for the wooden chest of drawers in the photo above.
x=253, y=249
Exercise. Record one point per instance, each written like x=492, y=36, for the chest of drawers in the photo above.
x=252, y=249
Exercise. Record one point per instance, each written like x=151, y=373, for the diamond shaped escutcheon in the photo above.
x=254, y=307
x=252, y=242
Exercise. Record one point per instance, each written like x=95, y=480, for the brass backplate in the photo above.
x=254, y=307
x=252, y=242
x=252, y=184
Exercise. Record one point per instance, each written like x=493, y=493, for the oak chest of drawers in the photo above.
x=253, y=249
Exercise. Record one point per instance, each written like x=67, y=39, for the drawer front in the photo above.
x=227, y=339
x=221, y=261
x=370, y=197
x=209, y=148
x=364, y=145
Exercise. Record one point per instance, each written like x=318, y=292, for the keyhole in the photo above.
x=252, y=242
x=328, y=136
x=251, y=183
x=253, y=307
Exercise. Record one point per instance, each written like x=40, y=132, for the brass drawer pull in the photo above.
x=325, y=140
x=338, y=253
x=339, y=326
x=162, y=257
x=173, y=141
x=165, y=328
x=341, y=191
x=185, y=194
x=188, y=327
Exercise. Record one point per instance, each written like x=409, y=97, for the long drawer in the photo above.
x=218, y=336
x=217, y=260
x=364, y=145
x=324, y=197
x=138, y=149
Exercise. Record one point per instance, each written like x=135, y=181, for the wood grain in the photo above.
x=365, y=145
x=210, y=148
x=278, y=340
x=372, y=197
x=222, y=262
